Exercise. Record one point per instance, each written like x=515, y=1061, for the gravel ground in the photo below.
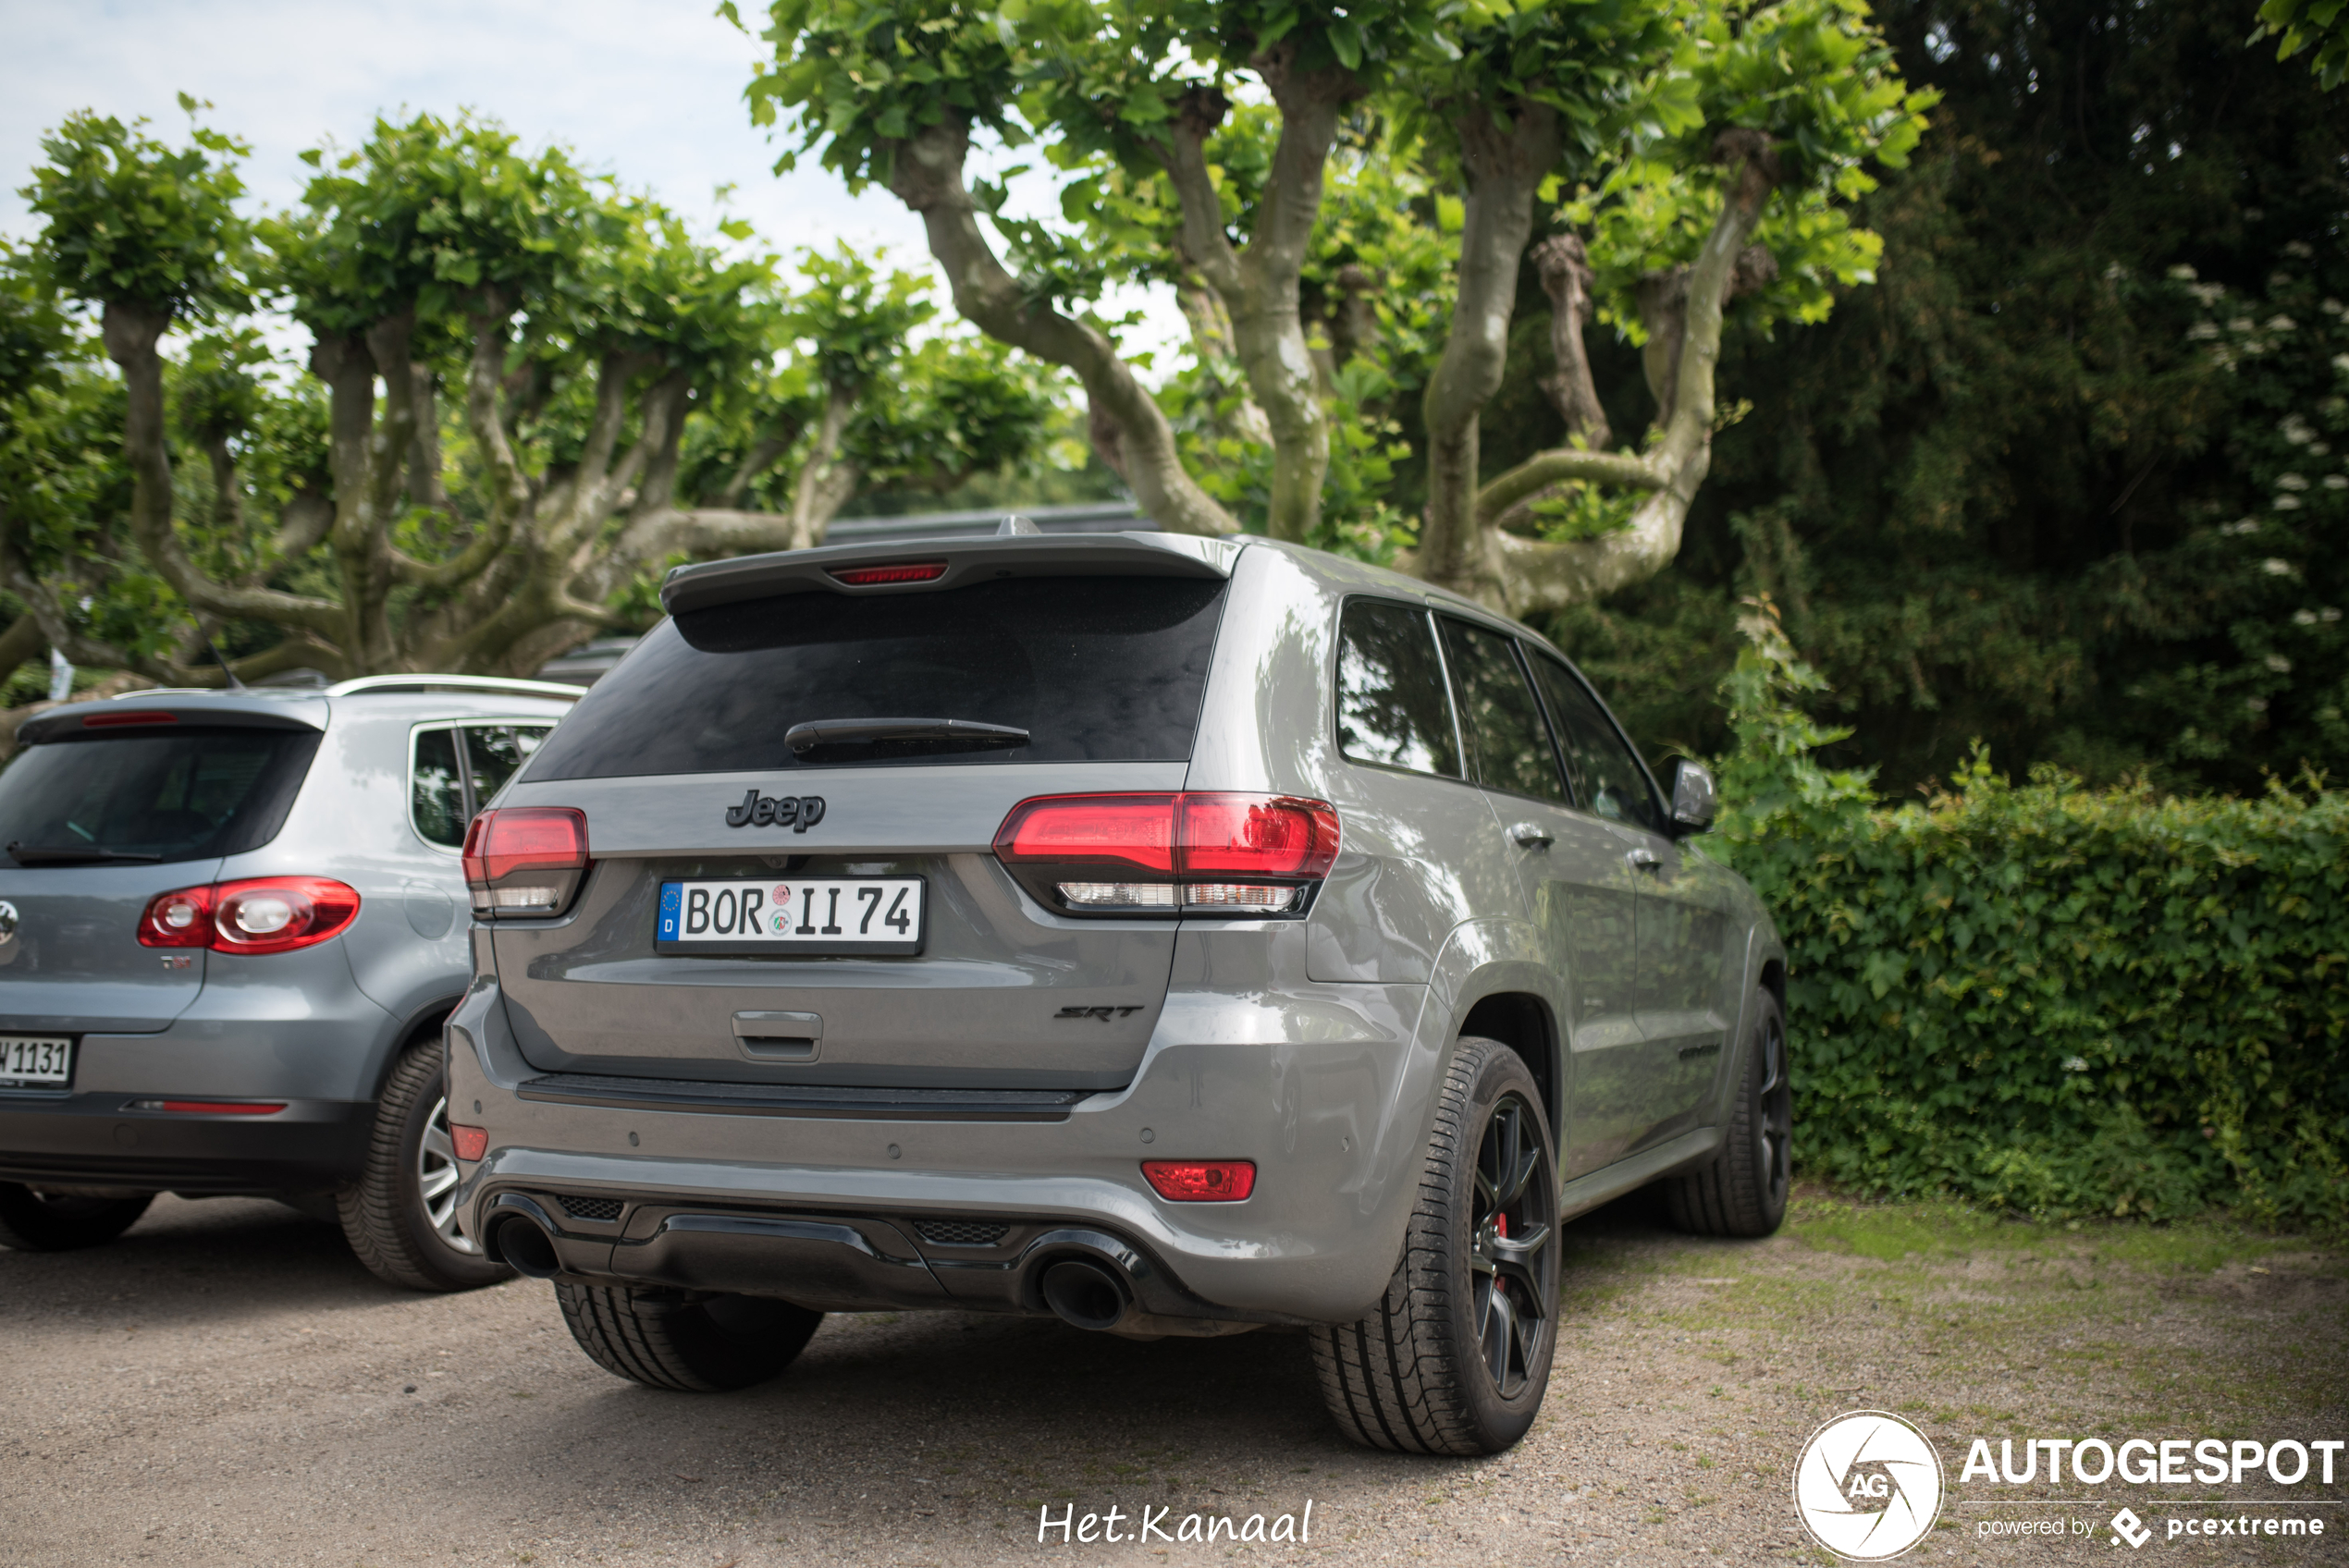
x=226, y=1386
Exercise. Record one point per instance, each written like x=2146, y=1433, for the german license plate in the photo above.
x=796, y=915
x=35, y=1062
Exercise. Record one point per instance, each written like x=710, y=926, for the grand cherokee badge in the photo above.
x=799, y=812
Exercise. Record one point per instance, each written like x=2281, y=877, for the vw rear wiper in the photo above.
x=75, y=854
x=953, y=734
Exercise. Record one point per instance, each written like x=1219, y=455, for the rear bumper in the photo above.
x=94, y=1140
x=1326, y=1088
x=843, y=1262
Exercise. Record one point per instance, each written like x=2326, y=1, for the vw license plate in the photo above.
x=35, y=1061
x=792, y=914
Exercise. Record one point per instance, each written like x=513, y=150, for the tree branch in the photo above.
x=1565, y=269
x=825, y=483
x=1538, y=575
x=927, y=175
x=131, y=335
x=1259, y=284
x=22, y=640
x=1557, y=466
x=1503, y=164
x=1197, y=115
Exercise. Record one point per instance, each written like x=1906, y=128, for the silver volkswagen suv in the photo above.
x=230, y=926
x=1175, y=936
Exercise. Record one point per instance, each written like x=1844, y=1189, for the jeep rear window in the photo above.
x=1094, y=668
x=192, y=794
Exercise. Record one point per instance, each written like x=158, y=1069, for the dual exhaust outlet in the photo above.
x=1080, y=1292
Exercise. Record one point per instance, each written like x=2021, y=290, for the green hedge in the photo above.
x=2048, y=998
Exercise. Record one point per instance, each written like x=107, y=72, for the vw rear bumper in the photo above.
x=109, y=1140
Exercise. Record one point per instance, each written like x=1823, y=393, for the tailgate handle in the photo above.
x=780, y=1037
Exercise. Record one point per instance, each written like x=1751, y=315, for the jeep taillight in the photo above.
x=526, y=861
x=256, y=914
x=1196, y=852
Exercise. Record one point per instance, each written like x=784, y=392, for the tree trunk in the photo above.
x=1259, y=284
x=927, y=175
x=825, y=481
x=1503, y=169
x=1537, y=575
x=1211, y=342
x=1565, y=268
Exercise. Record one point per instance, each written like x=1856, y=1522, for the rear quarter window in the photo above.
x=1392, y=710
x=1094, y=668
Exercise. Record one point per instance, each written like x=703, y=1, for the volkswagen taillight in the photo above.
x=1194, y=852
x=254, y=915
x=526, y=861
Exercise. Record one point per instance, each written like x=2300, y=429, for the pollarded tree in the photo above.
x=1715, y=157
x=577, y=330
x=895, y=95
x=1707, y=149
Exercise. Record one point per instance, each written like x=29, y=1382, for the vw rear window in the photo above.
x=1094, y=668
x=192, y=794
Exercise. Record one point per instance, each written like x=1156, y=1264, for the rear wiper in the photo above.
x=74, y=854
x=908, y=734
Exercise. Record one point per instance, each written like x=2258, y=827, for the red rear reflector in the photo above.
x=221, y=1108
x=873, y=576
x=472, y=1143
x=1201, y=1181
x=108, y=720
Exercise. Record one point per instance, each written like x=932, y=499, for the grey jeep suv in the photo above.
x=1175, y=936
x=230, y=925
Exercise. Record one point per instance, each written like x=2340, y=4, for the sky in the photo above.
x=646, y=89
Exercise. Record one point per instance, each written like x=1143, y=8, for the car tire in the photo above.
x=33, y=1220
x=399, y=1216
x=1744, y=1192
x=1456, y=1356
x=688, y=1342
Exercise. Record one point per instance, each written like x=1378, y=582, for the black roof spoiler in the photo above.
x=963, y=561
x=149, y=713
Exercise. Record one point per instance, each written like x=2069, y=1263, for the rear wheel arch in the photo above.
x=425, y=1023
x=1522, y=1021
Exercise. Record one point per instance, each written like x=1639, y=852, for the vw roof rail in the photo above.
x=506, y=685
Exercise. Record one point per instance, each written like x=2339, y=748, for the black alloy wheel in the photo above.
x=1743, y=1191
x=1454, y=1356
x=1773, y=1104
x=1514, y=1225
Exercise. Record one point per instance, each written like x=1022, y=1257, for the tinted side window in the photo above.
x=1390, y=705
x=1608, y=780
x=494, y=753
x=437, y=790
x=1094, y=668
x=1500, y=714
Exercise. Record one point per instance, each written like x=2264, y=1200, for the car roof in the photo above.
x=409, y=698
x=1344, y=574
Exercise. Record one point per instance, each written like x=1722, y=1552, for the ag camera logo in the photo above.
x=1868, y=1486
